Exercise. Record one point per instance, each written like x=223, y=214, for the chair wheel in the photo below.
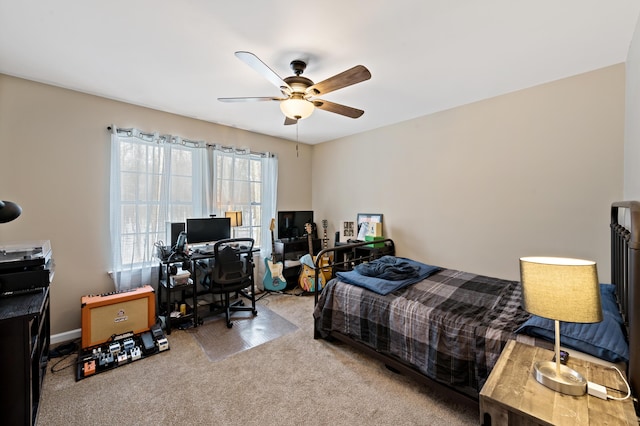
x=255, y=312
x=229, y=324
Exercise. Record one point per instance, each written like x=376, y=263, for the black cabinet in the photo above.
x=289, y=253
x=24, y=352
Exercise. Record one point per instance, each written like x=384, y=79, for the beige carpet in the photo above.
x=248, y=331
x=291, y=380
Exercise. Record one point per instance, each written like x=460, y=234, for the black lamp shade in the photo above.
x=9, y=211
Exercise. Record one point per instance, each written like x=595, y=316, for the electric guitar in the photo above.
x=273, y=279
x=326, y=259
x=307, y=279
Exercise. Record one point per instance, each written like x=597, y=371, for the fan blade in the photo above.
x=338, y=108
x=346, y=78
x=289, y=121
x=250, y=99
x=254, y=62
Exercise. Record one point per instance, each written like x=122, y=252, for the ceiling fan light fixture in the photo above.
x=296, y=109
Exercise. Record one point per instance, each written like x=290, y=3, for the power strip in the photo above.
x=597, y=390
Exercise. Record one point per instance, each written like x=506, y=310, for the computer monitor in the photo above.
x=291, y=223
x=208, y=230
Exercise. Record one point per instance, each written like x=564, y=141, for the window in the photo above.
x=156, y=186
x=158, y=179
x=238, y=187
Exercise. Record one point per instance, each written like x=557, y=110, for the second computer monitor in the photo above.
x=208, y=230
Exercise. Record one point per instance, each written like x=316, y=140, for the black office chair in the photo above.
x=232, y=272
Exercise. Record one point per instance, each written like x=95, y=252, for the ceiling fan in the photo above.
x=299, y=93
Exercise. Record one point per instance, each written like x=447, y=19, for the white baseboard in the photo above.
x=67, y=336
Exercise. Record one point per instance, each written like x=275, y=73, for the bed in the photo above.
x=448, y=328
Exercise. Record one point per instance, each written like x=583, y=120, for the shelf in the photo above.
x=290, y=253
x=177, y=287
x=170, y=294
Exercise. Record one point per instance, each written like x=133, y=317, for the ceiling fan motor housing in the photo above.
x=298, y=83
x=298, y=66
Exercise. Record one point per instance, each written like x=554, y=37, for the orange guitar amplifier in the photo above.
x=104, y=316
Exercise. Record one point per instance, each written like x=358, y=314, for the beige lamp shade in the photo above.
x=561, y=289
x=236, y=218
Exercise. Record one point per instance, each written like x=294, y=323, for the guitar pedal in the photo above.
x=163, y=344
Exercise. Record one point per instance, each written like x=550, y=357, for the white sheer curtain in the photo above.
x=207, y=192
x=145, y=194
x=130, y=220
x=269, y=199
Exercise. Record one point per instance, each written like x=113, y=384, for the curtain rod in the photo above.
x=182, y=141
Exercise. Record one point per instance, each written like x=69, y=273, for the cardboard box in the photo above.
x=372, y=238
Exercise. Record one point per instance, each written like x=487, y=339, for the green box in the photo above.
x=372, y=238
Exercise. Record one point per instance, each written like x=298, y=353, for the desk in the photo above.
x=171, y=295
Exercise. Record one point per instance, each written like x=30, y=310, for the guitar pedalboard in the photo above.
x=121, y=350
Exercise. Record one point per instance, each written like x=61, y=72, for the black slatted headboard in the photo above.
x=625, y=274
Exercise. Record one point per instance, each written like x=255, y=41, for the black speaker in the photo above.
x=173, y=230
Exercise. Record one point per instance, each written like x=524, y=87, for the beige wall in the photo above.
x=54, y=162
x=476, y=187
x=632, y=123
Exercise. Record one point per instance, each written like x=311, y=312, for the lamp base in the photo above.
x=569, y=382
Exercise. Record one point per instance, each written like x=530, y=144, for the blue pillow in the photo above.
x=604, y=339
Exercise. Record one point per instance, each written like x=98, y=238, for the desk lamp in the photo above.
x=9, y=211
x=561, y=289
x=236, y=219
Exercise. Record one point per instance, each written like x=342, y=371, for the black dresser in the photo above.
x=24, y=352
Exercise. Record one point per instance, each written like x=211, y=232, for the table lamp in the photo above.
x=561, y=289
x=236, y=219
x=9, y=211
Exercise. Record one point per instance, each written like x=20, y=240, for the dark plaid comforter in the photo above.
x=451, y=326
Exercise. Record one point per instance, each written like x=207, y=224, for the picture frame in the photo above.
x=363, y=220
x=347, y=230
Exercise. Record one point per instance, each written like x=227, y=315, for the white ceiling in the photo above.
x=424, y=56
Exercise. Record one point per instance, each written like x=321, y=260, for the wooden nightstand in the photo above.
x=512, y=396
